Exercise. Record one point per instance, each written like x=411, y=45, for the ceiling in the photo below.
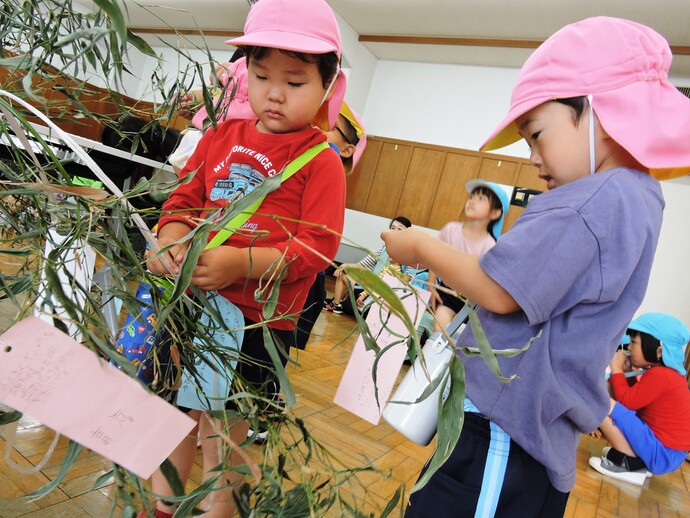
x=500, y=24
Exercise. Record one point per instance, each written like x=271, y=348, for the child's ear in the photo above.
x=347, y=151
x=495, y=214
x=658, y=352
x=334, y=87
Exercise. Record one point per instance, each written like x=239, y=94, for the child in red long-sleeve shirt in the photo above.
x=649, y=422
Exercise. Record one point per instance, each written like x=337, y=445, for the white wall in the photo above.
x=448, y=105
x=669, y=284
x=362, y=67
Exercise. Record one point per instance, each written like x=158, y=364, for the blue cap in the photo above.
x=499, y=191
x=671, y=332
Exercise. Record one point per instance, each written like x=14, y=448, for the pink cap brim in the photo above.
x=658, y=107
x=285, y=40
x=507, y=132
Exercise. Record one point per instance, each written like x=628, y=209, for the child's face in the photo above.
x=559, y=147
x=636, y=355
x=284, y=92
x=478, y=207
x=338, y=136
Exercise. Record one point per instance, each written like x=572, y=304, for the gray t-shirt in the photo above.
x=577, y=262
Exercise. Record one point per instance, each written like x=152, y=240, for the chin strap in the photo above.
x=592, y=156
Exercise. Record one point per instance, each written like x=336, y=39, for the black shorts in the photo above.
x=256, y=367
x=450, y=301
x=517, y=485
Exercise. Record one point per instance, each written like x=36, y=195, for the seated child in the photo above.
x=374, y=262
x=484, y=213
x=649, y=422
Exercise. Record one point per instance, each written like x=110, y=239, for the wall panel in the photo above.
x=426, y=182
x=417, y=198
x=498, y=170
x=388, y=180
x=451, y=194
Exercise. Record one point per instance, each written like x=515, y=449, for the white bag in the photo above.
x=418, y=421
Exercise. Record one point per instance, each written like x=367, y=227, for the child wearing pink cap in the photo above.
x=602, y=121
x=292, y=50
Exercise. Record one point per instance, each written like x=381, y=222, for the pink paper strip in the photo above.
x=356, y=391
x=49, y=376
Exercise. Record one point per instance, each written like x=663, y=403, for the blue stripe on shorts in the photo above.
x=495, y=468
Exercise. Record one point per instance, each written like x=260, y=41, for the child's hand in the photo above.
x=219, y=267
x=435, y=298
x=220, y=72
x=620, y=362
x=173, y=257
x=188, y=103
x=340, y=270
x=403, y=245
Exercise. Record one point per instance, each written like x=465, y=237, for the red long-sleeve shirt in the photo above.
x=662, y=400
x=236, y=153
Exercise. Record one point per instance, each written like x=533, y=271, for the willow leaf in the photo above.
x=140, y=44
x=428, y=390
x=112, y=9
x=188, y=505
x=103, y=479
x=485, y=350
x=85, y=34
x=393, y=502
x=382, y=293
x=374, y=368
x=172, y=477
x=367, y=338
x=9, y=417
x=451, y=417
x=73, y=450
x=272, y=350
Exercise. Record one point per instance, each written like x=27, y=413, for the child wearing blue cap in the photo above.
x=484, y=213
x=649, y=422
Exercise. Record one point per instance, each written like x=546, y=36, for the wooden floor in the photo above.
x=315, y=380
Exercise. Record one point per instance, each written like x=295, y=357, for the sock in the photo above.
x=615, y=456
x=628, y=462
x=159, y=514
x=634, y=463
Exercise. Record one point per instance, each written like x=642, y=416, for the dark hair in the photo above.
x=350, y=131
x=146, y=138
x=578, y=105
x=326, y=63
x=494, y=202
x=650, y=345
x=401, y=219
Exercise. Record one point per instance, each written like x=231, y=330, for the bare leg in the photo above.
x=443, y=316
x=614, y=435
x=221, y=503
x=340, y=289
x=182, y=458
